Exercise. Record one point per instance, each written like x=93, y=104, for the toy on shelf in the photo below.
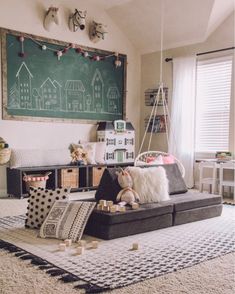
x=78, y=154
x=127, y=195
x=5, y=152
x=119, y=137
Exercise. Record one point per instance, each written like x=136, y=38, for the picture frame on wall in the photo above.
x=50, y=80
x=159, y=124
x=151, y=94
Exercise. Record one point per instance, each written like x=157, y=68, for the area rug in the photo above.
x=113, y=264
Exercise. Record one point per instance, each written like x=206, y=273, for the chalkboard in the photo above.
x=40, y=86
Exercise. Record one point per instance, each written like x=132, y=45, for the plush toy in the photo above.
x=127, y=195
x=78, y=154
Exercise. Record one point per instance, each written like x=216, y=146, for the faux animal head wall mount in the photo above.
x=97, y=31
x=77, y=20
x=51, y=18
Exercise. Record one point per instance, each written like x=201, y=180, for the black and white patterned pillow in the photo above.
x=40, y=202
x=67, y=220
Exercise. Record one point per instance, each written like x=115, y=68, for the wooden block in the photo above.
x=135, y=246
x=112, y=208
x=82, y=243
x=62, y=246
x=80, y=250
x=68, y=242
x=94, y=244
x=103, y=202
x=99, y=207
x=109, y=203
x=122, y=208
x=135, y=206
x=106, y=208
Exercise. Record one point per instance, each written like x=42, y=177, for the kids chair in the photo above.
x=230, y=183
x=212, y=181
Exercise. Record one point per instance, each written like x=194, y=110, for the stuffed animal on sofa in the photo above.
x=127, y=195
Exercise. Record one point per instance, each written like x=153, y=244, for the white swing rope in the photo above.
x=153, y=113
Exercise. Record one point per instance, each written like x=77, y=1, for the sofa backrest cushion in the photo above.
x=176, y=182
x=109, y=187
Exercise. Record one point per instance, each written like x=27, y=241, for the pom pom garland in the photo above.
x=59, y=52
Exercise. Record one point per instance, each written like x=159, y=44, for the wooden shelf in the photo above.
x=88, y=177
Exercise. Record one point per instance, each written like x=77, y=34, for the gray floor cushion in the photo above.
x=145, y=211
x=191, y=200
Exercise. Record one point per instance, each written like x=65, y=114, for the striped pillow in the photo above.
x=67, y=220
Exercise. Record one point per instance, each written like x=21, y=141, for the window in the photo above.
x=214, y=77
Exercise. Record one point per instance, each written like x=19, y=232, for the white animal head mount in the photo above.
x=97, y=31
x=51, y=18
x=77, y=20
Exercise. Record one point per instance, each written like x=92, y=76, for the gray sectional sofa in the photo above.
x=183, y=207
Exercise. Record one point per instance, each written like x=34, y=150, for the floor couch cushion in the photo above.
x=147, y=210
x=197, y=214
x=119, y=230
x=149, y=217
x=191, y=200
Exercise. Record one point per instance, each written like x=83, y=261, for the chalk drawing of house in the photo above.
x=98, y=91
x=74, y=91
x=14, y=97
x=37, y=102
x=24, y=78
x=51, y=94
x=113, y=98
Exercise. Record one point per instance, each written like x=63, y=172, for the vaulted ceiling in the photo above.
x=184, y=21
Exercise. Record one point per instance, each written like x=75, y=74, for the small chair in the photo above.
x=229, y=166
x=212, y=181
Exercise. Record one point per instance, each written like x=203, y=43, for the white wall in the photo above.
x=27, y=16
x=223, y=37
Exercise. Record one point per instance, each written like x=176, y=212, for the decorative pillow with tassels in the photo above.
x=67, y=220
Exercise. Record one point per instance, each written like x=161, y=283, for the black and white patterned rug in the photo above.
x=113, y=264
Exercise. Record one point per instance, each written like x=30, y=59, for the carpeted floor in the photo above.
x=216, y=276
x=211, y=277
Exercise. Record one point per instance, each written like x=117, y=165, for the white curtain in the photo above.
x=181, y=139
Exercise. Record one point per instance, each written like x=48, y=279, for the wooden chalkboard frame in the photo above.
x=7, y=116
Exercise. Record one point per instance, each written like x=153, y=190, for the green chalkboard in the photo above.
x=40, y=86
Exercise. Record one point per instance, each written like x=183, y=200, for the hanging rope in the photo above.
x=160, y=91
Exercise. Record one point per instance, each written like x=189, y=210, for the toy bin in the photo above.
x=36, y=180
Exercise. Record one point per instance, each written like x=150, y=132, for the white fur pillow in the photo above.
x=150, y=183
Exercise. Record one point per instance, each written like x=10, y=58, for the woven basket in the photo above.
x=36, y=180
x=5, y=155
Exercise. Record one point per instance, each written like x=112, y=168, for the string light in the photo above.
x=59, y=53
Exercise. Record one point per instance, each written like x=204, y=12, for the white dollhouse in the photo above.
x=120, y=141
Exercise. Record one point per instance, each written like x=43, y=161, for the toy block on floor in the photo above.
x=62, y=247
x=80, y=250
x=94, y=244
x=135, y=246
x=82, y=243
x=68, y=242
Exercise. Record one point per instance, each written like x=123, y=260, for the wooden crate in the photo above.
x=69, y=177
x=97, y=173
